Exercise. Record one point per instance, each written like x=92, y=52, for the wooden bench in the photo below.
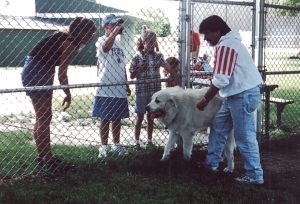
x=280, y=105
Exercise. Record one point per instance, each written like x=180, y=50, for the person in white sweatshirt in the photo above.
x=237, y=80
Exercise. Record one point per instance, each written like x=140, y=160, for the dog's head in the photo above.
x=162, y=106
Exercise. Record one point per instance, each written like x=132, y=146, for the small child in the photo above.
x=173, y=62
x=146, y=65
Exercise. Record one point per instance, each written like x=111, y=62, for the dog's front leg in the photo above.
x=228, y=152
x=187, y=138
x=169, y=145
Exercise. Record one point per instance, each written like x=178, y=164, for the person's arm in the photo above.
x=197, y=51
x=198, y=45
x=127, y=85
x=67, y=49
x=136, y=67
x=98, y=67
x=110, y=39
x=156, y=46
x=141, y=68
x=212, y=91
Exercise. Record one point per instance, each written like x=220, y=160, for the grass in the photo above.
x=288, y=87
x=102, y=187
x=137, y=178
x=18, y=152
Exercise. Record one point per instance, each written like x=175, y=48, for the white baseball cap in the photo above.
x=111, y=19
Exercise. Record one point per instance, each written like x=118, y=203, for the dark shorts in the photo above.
x=141, y=103
x=110, y=109
x=37, y=74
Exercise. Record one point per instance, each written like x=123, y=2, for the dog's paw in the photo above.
x=187, y=157
x=228, y=170
x=164, y=158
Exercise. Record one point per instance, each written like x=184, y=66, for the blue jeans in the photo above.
x=236, y=113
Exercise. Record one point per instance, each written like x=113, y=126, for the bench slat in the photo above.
x=280, y=100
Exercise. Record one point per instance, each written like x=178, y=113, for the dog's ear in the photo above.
x=173, y=101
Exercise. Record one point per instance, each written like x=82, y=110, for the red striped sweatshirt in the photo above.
x=234, y=69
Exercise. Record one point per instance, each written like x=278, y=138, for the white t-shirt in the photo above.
x=112, y=69
x=234, y=69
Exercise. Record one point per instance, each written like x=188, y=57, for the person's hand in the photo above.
x=142, y=67
x=66, y=102
x=128, y=91
x=118, y=29
x=202, y=103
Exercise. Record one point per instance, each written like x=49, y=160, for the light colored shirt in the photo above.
x=234, y=69
x=112, y=69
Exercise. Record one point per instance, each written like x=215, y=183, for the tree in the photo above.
x=156, y=20
x=290, y=3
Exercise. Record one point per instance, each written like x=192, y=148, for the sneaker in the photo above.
x=150, y=145
x=247, y=180
x=103, y=151
x=137, y=147
x=119, y=150
x=54, y=160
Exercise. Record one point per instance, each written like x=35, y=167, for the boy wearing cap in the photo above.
x=110, y=103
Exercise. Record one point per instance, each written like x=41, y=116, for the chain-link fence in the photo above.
x=74, y=133
x=281, y=66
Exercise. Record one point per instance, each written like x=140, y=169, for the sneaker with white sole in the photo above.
x=137, y=146
x=103, y=151
x=247, y=180
x=119, y=150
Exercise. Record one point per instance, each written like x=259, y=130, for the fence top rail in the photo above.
x=74, y=86
x=295, y=8
x=224, y=2
x=281, y=72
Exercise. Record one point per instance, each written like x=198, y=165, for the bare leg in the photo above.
x=138, y=125
x=116, y=129
x=149, y=127
x=104, y=130
x=41, y=132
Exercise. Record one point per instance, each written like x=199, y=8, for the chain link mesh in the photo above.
x=281, y=65
x=75, y=133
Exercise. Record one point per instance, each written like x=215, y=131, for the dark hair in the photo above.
x=82, y=26
x=139, y=45
x=173, y=62
x=214, y=23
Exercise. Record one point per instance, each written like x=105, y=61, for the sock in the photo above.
x=104, y=146
x=117, y=144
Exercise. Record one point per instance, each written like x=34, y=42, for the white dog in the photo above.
x=176, y=109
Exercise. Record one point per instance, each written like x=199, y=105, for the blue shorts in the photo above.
x=110, y=109
x=37, y=73
x=141, y=103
